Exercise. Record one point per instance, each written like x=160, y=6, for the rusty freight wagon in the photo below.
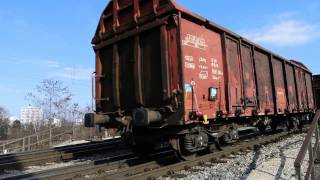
x=316, y=88
x=165, y=73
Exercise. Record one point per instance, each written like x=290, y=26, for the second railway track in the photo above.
x=20, y=161
x=97, y=167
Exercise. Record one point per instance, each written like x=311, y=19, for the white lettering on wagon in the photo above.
x=189, y=65
x=216, y=72
x=188, y=58
x=203, y=75
x=214, y=63
x=202, y=60
x=195, y=41
x=189, y=62
x=203, y=67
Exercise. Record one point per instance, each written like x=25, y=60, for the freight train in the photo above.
x=164, y=73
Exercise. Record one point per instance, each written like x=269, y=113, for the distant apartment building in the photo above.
x=31, y=114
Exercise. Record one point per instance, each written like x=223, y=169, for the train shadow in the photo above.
x=253, y=164
x=276, y=173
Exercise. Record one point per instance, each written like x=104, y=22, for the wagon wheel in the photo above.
x=214, y=147
x=262, y=128
x=274, y=125
x=290, y=125
x=181, y=153
x=293, y=124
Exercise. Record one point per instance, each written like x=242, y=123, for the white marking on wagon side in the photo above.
x=189, y=65
x=188, y=58
x=195, y=41
x=203, y=75
x=202, y=60
x=203, y=67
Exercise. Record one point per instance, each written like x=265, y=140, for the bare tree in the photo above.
x=87, y=109
x=4, y=123
x=16, y=130
x=53, y=97
x=75, y=112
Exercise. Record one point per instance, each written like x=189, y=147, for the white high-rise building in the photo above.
x=31, y=114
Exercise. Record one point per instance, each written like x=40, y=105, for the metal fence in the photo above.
x=313, y=150
x=43, y=139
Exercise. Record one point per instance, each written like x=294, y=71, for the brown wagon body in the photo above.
x=316, y=90
x=160, y=65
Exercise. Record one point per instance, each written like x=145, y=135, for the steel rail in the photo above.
x=21, y=161
x=20, y=165
x=131, y=171
x=61, y=148
x=78, y=170
x=92, y=169
x=155, y=172
x=129, y=166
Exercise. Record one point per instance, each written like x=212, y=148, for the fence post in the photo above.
x=29, y=148
x=73, y=130
x=317, y=154
x=311, y=155
x=50, y=137
x=23, y=144
x=298, y=173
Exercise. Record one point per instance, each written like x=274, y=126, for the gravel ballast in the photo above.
x=273, y=161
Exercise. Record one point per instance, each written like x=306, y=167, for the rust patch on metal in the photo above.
x=279, y=83
x=264, y=82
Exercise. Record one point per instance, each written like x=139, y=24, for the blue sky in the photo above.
x=51, y=38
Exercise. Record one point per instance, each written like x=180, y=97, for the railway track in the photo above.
x=161, y=163
x=153, y=170
x=20, y=161
x=94, y=169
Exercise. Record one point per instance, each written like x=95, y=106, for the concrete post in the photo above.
x=50, y=137
x=73, y=131
x=298, y=173
x=311, y=159
x=29, y=148
x=23, y=144
x=317, y=154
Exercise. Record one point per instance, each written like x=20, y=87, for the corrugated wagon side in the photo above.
x=249, y=80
